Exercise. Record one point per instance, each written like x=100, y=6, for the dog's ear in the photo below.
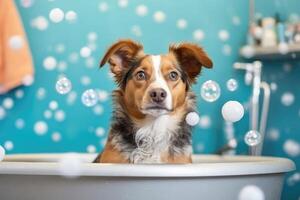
x=191, y=58
x=121, y=55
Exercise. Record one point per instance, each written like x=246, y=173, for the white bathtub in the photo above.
x=37, y=177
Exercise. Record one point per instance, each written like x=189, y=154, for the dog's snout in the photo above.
x=158, y=95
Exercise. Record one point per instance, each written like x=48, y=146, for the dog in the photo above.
x=151, y=103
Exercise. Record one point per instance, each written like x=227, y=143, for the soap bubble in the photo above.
x=28, y=80
x=232, y=111
x=47, y=114
x=71, y=98
x=291, y=147
x=20, y=123
x=89, y=98
x=136, y=30
x=273, y=134
x=9, y=145
x=248, y=51
x=293, y=179
x=100, y=131
x=60, y=115
x=8, y=103
x=226, y=49
x=123, y=3
x=181, y=24
x=26, y=3
x=159, y=16
x=85, y=80
x=73, y=57
x=252, y=138
x=251, y=192
x=2, y=153
x=2, y=113
x=70, y=165
x=232, y=85
x=204, y=122
x=60, y=48
x=198, y=35
x=53, y=105
x=71, y=16
x=223, y=35
x=236, y=20
x=91, y=149
x=40, y=23
x=192, y=118
x=19, y=94
x=103, y=7
x=56, y=137
x=210, y=91
x=56, y=15
x=15, y=42
x=63, y=85
x=40, y=127
x=85, y=52
x=103, y=95
x=98, y=110
x=273, y=86
x=92, y=36
x=141, y=10
x=283, y=48
x=41, y=93
x=49, y=63
x=287, y=98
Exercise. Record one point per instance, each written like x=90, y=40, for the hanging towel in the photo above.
x=16, y=64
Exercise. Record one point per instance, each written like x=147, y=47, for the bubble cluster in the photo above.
x=232, y=111
x=192, y=118
x=232, y=85
x=63, y=85
x=252, y=138
x=89, y=97
x=210, y=91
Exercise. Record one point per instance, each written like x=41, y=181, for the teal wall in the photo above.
x=78, y=129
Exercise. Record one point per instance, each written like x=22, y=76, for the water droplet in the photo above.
x=210, y=91
x=252, y=138
x=63, y=85
x=89, y=98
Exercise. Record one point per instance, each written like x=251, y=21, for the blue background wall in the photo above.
x=81, y=129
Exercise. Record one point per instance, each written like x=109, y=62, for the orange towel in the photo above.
x=15, y=57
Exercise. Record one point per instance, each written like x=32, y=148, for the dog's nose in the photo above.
x=158, y=95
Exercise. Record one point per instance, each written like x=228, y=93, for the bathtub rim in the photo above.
x=241, y=165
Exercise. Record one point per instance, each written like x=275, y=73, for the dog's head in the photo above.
x=155, y=84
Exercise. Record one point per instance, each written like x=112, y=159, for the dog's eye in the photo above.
x=140, y=76
x=173, y=76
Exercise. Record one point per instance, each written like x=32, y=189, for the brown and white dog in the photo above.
x=151, y=103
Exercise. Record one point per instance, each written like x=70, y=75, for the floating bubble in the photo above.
x=273, y=86
x=283, y=48
x=232, y=85
x=123, y=3
x=159, y=16
x=73, y=57
x=85, y=80
x=292, y=148
x=62, y=66
x=28, y=80
x=100, y=131
x=103, y=95
x=72, y=96
x=60, y=115
x=273, y=134
x=2, y=113
x=92, y=36
x=287, y=99
x=53, y=105
x=103, y=7
x=71, y=16
x=9, y=145
x=293, y=179
x=252, y=138
x=63, y=85
x=251, y=192
x=20, y=123
x=91, y=149
x=40, y=127
x=56, y=15
x=232, y=111
x=223, y=35
x=192, y=118
x=40, y=23
x=49, y=63
x=181, y=24
x=226, y=50
x=26, y=3
x=248, y=51
x=210, y=91
x=204, y=122
x=70, y=165
x=8, y=103
x=56, y=136
x=41, y=93
x=19, y=94
x=2, y=153
x=89, y=98
x=198, y=35
x=98, y=110
x=15, y=42
x=47, y=114
x=236, y=20
x=136, y=30
x=85, y=52
x=141, y=10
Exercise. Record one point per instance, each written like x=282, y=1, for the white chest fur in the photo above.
x=153, y=138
